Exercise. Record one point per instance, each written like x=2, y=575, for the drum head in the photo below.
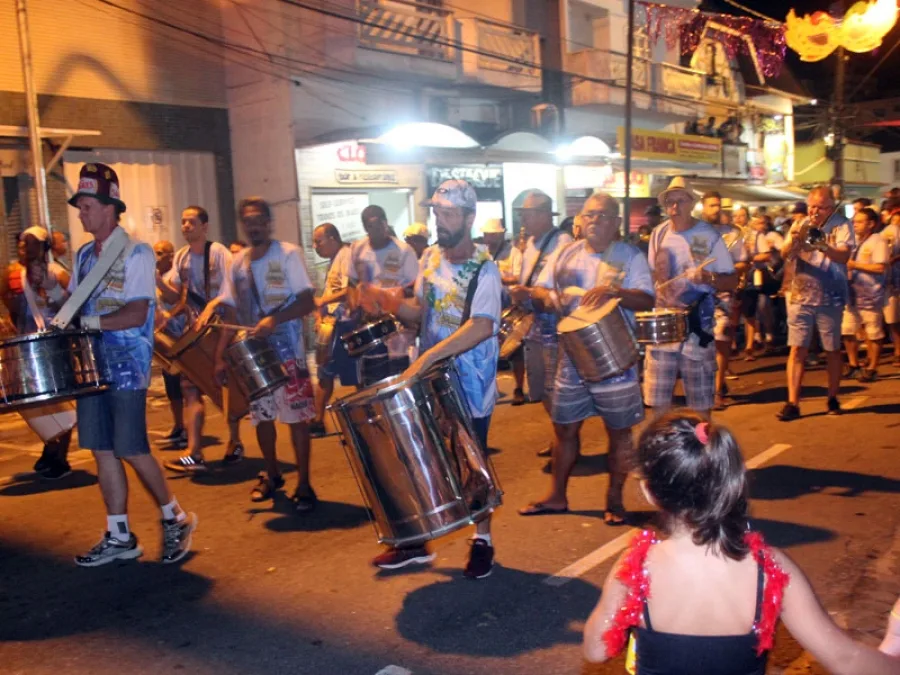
x=583, y=316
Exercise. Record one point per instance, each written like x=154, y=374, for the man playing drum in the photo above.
x=541, y=344
x=202, y=268
x=690, y=263
x=270, y=292
x=333, y=316
x=385, y=261
x=35, y=311
x=113, y=424
x=441, y=288
x=606, y=269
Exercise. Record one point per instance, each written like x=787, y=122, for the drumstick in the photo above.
x=576, y=291
x=708, y=261
x=228, y=326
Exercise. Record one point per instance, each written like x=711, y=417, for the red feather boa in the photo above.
x=633, y=574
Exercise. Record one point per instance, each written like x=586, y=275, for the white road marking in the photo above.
x=611, y=548
x=394, y=670
x=854, y=402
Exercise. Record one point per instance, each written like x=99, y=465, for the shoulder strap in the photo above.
x=470, y=293
x=760, y=586
x=550, y=236
x=206, y=269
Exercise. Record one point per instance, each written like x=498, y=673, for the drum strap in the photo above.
x=553, y=234
x=31, y=299
x=470, y=293
x=195, y=297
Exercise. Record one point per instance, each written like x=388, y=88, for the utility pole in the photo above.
x=629, y=90
x=838, y=120
x=34, y=123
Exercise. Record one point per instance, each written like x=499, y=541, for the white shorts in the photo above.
x=722, y=330
x=892, y=309
x=870, y=319
x=291, y=404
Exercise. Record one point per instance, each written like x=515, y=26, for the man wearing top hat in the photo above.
x=690, y=264
x=113, y=424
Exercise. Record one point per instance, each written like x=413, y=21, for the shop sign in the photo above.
x=341, y=210
x=487, y=179
x=352, y=153
x=646, y=144
x=365, y=176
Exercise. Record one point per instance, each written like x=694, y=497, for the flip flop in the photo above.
x=614, y=518
x=539, y=509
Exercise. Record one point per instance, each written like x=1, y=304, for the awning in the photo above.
x=740, y=191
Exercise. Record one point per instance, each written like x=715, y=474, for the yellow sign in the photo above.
x=647, y=144
x=816, y=35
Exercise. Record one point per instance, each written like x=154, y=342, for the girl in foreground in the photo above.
x=707, y=596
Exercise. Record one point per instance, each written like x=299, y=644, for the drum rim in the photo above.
x=42, y=399
x=661, y=311
x=34, y=337
x=367, y=327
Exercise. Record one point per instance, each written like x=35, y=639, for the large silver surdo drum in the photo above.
x=599, y=341
x=51, y=366
x=255, y=366
x=417, y=459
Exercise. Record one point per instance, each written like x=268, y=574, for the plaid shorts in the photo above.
x=661, y=370
x=617, y=399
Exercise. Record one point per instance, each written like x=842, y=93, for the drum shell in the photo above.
x=194, y=356
x=48, y=367
x=368, y=336
x=603, y=349
x=418, y=461
x=661, y=326
x=515, y=324
x=254, y=367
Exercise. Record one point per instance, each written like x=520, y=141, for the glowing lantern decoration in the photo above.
x=862, y=29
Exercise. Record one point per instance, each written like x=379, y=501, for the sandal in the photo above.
x=541, y=509
x=265, y=487
x=615, y=517
x=305, y=503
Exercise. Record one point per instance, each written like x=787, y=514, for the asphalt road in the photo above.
x=266, y=591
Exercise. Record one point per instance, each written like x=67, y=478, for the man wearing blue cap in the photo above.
x=439, y=302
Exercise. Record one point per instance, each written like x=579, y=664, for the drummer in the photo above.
x=270, y=292
x=202, y=267
x=385, y=261
x=332, y=308
x=441, y=289
x=509, y=260
x=606, y=269
x=541, y=343
x=33, y=313
x=690, y=263
x=113, y=424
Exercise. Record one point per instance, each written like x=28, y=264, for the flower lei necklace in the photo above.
x=633, y=574
x=443, y=292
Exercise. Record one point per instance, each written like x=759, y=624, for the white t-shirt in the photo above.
x=544, y=327
x=187, y=269
x=671, y=254
x=441, y=287
x=867, y=289
x=891, y=236
x=280, y=277
x=337, y=280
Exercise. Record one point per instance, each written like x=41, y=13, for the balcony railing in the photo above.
x=501, y=54
x=407, y=28
x=605, y=72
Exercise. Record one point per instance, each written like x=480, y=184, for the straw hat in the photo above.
x=678, y=184
x=493, y=226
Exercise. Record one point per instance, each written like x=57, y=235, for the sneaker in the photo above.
x=867, y=376
x=789, y=412
x=177, y=538
x=110, y=549
x=853, y=373
x=57, y=470
x=43, y=464
x=187, y=464
x=175, y=440
x=317, y=429
x=395, y=558
x=834, y=408
x=481, y=560
x=518, y=397
x=234, y=455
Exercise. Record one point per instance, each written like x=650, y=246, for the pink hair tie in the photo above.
x=701, y=431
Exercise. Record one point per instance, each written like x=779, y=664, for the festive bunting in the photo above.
x=762, y=40
x=815, y=36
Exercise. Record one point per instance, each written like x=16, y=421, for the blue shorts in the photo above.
x=826, y=318
x=340, y=363
x=114, y=420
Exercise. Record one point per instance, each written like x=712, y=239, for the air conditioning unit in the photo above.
x=545, y=119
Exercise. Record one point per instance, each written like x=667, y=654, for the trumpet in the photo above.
x=816, y=238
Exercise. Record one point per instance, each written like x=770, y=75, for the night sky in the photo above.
x=818, y=78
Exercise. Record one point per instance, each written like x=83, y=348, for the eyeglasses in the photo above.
x=598, y=215
x=679, y=203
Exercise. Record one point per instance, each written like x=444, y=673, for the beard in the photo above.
x=258, y=238
x=448, y=239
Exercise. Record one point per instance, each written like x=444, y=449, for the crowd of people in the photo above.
x=717, y=267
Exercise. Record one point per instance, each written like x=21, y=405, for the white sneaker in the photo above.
x=110, y=549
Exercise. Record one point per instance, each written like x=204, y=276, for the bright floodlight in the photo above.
x=427, y=134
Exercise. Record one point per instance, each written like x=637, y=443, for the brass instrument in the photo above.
x=816, y=238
